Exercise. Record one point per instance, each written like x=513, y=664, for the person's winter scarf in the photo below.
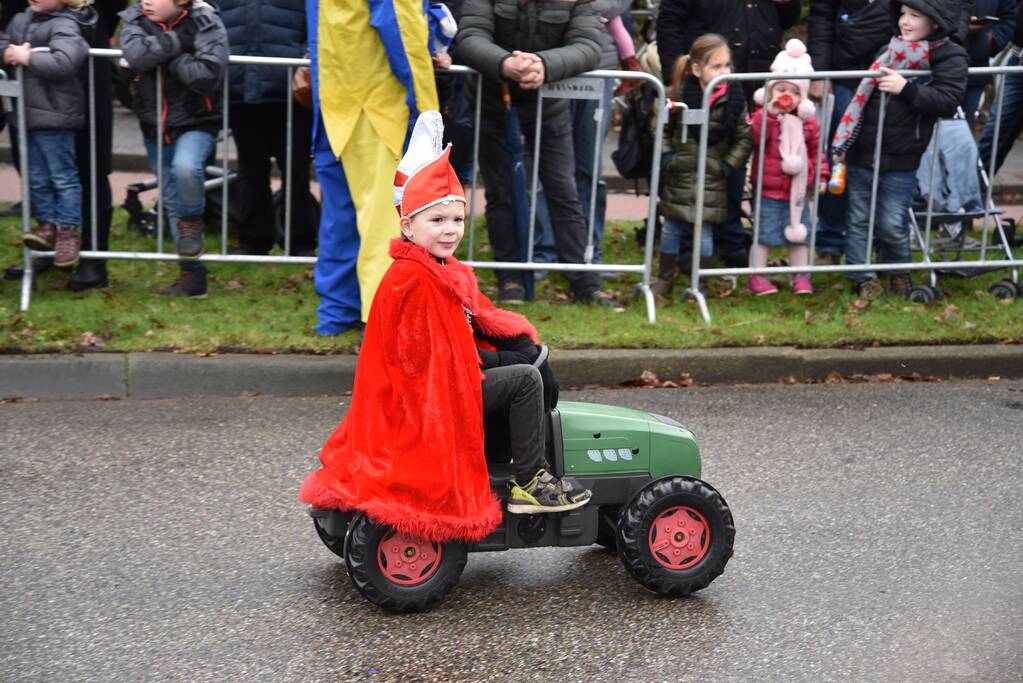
x=901, y=54
x=692, y=96
x=792, y=148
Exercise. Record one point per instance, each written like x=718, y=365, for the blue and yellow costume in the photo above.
x=372, y=75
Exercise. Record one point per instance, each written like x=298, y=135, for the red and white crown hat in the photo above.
x=425, y=177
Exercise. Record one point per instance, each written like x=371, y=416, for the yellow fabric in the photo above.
x=355, y=76
x=368, y=160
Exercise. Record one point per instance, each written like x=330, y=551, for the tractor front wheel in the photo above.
x=675, y=536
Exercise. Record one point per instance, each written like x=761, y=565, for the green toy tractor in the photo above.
x=673, y=531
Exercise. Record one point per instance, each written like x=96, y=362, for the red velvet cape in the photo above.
x=409, y=452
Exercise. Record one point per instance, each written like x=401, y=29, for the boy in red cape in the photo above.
x=437, y=356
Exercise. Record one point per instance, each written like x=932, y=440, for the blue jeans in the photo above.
x=677, y=238
x=184, y=178
x=891, y=225
x=584, y=132
x=833, y=207
x=56, y=190
x=1011, y=114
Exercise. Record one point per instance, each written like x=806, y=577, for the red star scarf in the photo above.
x=900, y=54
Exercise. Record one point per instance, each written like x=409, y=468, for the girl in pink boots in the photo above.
x=790, y=167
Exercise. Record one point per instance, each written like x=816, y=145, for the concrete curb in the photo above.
x=167, y=375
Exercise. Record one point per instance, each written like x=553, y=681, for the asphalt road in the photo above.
x=879, y=537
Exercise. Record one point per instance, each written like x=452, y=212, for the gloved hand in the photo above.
x=520, y=344
x=186, y=36
x=551, y=388
x=512, y=358
x=727, y=170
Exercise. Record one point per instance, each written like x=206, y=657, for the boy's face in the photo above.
x=162, y=11
x=915, y=25
x=438, y=229
x=45, y=6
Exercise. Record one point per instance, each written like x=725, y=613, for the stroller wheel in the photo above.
x=1004, y=289
x=924, y=294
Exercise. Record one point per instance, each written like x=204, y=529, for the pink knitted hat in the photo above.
x=793, y=60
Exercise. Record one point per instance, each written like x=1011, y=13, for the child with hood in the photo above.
x=922, y=42
x=790, y=166
x=55, y=108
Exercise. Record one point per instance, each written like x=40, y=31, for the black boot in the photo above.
x=190, y=283
x=40, y=264
x=665, y=280
x=91, y=274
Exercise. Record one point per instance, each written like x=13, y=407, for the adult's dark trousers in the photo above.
x=557, y=174
x=730, y=237
x=103, y=128
x=514, y=393
x=260, y=135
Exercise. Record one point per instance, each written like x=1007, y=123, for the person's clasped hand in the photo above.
x=18, y=54
x=891, y=82
x=524, y=68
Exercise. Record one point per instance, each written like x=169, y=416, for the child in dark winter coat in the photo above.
x=728, y=148
x=790, y=166
x=183, y=44
x=54, y=110
x=922, y=42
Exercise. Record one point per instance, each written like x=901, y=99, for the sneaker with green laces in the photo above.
x=546, y=493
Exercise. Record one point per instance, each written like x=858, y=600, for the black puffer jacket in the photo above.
x=753, y=29
x=910, y=115
x=192, y=75
x=844, y=35
x=54, y=97
x=263, y=28
x=567, y=36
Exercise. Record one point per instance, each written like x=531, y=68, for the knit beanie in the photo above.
x=792, y=60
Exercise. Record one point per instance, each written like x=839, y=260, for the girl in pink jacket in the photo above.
x=790, y=166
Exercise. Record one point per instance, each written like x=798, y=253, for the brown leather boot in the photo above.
x=41, y=238
x=665, y=280
x=190, y=238
x=69, y=242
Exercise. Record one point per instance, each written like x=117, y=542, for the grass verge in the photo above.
x=272, y=309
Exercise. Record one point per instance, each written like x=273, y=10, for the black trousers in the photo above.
x=515, y=393
x=557, y=175
x=260, y=134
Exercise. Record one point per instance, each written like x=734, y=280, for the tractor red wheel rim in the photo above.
x=407, y=561
x=679, y=537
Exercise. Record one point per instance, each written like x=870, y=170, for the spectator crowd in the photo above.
x=518, y=46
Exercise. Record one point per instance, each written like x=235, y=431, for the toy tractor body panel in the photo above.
x=673, y=531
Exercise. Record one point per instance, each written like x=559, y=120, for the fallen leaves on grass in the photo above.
x=951, y=312
x=650, y=380
x=88, y=339
x=237, y=283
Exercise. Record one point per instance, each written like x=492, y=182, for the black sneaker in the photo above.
x=546, y=493
x=511, y=293
x=190, y=283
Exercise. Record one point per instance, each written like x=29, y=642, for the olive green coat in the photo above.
x=678, y=186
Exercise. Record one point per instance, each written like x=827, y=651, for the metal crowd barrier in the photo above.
x=579, y=87
x=700, y=118
x=13, y=89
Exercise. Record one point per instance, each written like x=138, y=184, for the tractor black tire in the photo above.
x=362, y=546
x=335, y=544
x=694, y=498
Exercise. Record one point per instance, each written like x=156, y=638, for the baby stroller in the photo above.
x=941, y=220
